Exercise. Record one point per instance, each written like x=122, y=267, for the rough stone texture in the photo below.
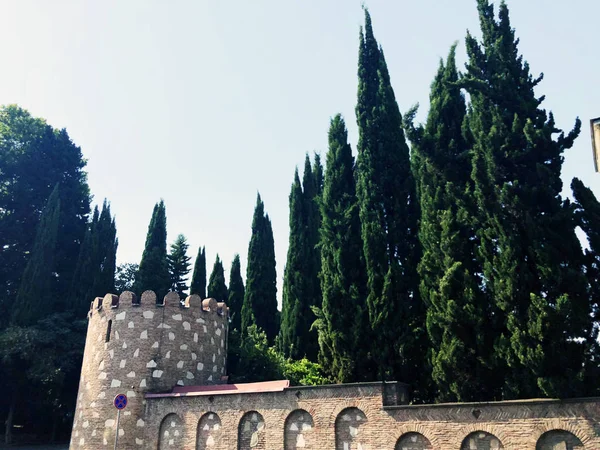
x=299, y=431
x=559, y=440
x=209, y=431
x=517, y=425
x=252, y=432
x=134, y=347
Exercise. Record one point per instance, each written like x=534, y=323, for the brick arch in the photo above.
x=171, y=433
x=558, y=425
x=365, y=407
x=251, y=431
x=413, y=441
x=413, y=427
x=463, y=432
x=548, y=440
x=348, y=424
x=208, y=432
x=298, y=430
x=483, y=441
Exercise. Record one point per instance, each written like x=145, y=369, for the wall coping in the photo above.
x=531, y=401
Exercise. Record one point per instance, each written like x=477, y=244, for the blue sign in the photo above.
x=120, y=401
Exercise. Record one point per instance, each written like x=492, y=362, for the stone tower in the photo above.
x=134, y=346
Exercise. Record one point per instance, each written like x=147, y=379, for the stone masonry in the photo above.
x=170, y=360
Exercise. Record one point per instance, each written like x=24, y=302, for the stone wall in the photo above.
x=353, y=417
x=134, y=347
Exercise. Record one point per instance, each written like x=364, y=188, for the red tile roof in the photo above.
x=224, y=389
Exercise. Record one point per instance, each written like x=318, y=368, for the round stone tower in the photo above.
x=134, y=346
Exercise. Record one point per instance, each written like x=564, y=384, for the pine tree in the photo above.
x=459, y=320
x=34, y=298
x=389, y=216
x=235, y=295
x=179, y=265
x=342, y=323
x=95, y=270
x=154, y=267
x=530, y=255
x=216, y=283
x=260, y=298
x=198, y=285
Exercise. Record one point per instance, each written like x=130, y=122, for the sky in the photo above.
x=206, y=103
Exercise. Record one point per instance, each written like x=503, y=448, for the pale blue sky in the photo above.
x=206, y=103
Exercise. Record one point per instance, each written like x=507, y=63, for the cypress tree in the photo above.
x=216, y=282
x=154, y=267
x=235, y=295
x=179, y=265
x=530, y=255
x=294, y=312
x=34, y=298
x=389, y=216
x=459, y=320
x=198, y=285
x=260, y=298
x=342, y=319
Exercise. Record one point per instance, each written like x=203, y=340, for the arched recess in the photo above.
x=209, y=431
x=348, y=426
x=298, y=431
x=413, y=441
x=481, y=440
x=559, y=439
x=251, y=432
x=171, y=433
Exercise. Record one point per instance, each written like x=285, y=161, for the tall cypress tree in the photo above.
x=342, y=323
x=154, y=267
x=530, y=255
x=198, y=285
x=459, y=318
x=260, y=298
x=216, y=283
x=235, y=294
x=389, y=216
x=179, y=265
x=96, y=266
x=34, y=298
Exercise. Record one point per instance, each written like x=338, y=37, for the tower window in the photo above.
x=108, y=331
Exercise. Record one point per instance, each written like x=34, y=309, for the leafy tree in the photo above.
x=153, y=273
x=95, y=271
x=260, y=298
x=179, y=265
x=216, y=283
x=460, y=320
x=528, y=249
x=235, y=295
x=389, y=216
x=125, y=277
x=198, y=285
x=342, y=326
x=34, y=157
x=34, y=299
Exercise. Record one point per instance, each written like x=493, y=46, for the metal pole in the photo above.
x=117, y=430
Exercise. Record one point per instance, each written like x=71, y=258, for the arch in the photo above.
x=559, y=439
x=298, y=431
x=481, y=440
x=348, y=435
x=251, y=432
x=171, y=432
x=209, y=431
x=413, y=441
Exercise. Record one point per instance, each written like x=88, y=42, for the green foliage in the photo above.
x=341, y=322
x=179, y=265
x=34, y=158
x=34, y=299
x=260, y=298
x=125, y=277
x=530, y=255
x=235, y=295
x=95, y=271
x=216, y=284
x=389, y=215
x=198, y=285
x=153, y=273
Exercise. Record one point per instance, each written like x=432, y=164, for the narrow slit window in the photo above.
x=108, y=331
